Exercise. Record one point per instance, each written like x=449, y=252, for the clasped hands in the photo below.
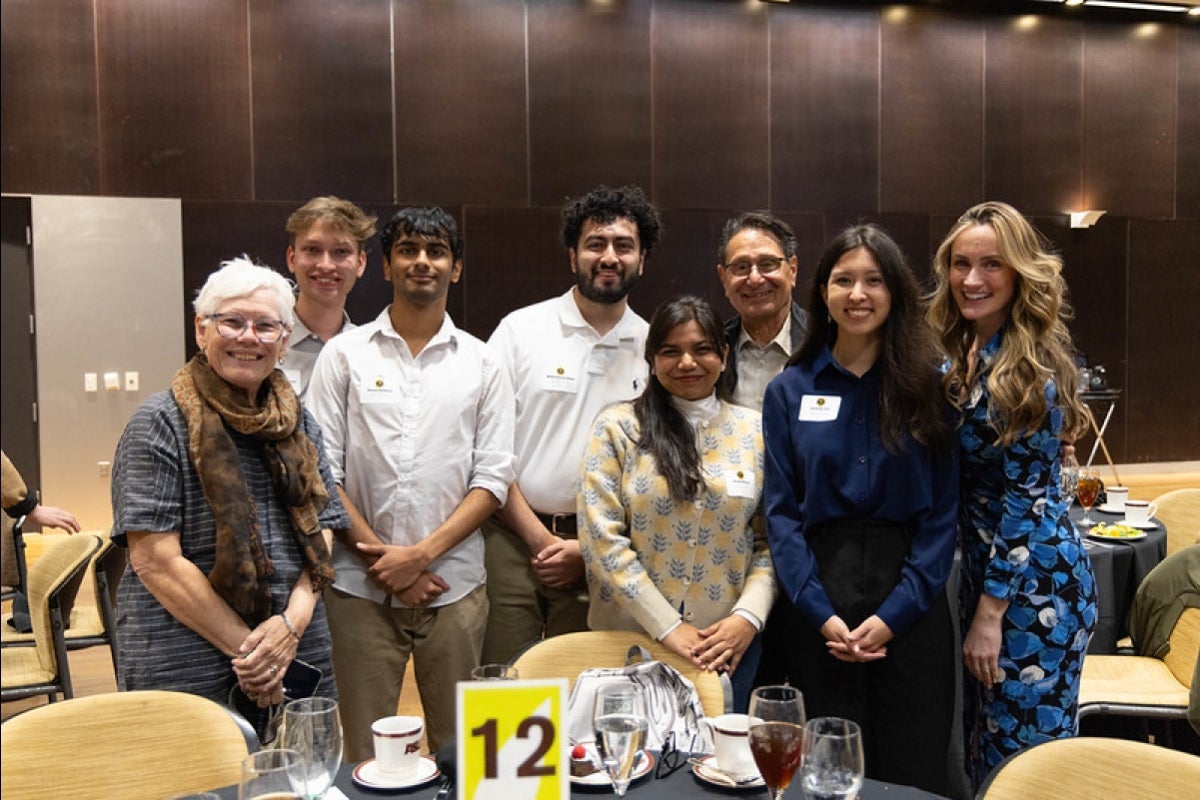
x=262, y=659
x=558, y=564
x=720, y=646
x=865, y=643
x=402, y=571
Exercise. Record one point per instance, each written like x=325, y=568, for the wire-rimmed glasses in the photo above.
x=765, y=266
x=232, y=326
x=671, y=758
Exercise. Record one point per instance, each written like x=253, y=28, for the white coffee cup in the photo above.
x=731, y=735
x=397, y=744
x=1139, y=512
x=1116, y=497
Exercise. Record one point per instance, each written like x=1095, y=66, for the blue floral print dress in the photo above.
x=1018, y=545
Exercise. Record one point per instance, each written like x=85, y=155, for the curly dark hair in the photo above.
x=430, y=222
x=910, y=384
x=603, y=205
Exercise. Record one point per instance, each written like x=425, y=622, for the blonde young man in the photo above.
x=326, y=255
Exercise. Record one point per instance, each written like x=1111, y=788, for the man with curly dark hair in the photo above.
x=567, y=357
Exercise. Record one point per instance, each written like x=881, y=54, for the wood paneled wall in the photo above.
x=826, y=113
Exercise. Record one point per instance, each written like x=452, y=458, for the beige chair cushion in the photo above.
x=1179, y=511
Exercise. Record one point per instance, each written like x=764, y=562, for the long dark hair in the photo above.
x=910, y=386
x=666, y=433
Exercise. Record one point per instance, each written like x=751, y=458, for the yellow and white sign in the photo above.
x=512, y=743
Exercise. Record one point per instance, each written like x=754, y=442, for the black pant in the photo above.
x=905, y=701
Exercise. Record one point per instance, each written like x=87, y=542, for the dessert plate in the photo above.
x=368, y=776
x=643, y=767
x=706, y=773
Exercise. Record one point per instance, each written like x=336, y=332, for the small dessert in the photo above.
x=581, y=763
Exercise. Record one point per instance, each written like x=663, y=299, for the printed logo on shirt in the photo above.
x=819, y=407
x=377, y=389
x=740, y=483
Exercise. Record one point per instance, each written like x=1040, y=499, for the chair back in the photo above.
x=12, y=556
x=568, y=655
x=132, y=745
x=1185, y=646
x=1093, y=768
x=1179, y=511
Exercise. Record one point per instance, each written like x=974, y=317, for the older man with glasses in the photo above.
x=757, y=267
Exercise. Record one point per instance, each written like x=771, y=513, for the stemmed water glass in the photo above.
x=311, y=727
x=1087, y=491
x=1068, y=477
x=777, y=735
x=833, y=759
x=271, y=773
x=620, y=721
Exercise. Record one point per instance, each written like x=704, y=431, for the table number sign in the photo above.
x=511, y=740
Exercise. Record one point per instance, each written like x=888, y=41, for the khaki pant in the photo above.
x=371, y=646
x=522, y=610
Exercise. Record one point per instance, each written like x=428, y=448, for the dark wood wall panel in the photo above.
x=499, y=277
x=931, y=153
x=174, y=99
x=48, y=97
x=685, y=261
x=1034, y=76
x=824, y=109
x=1163, y=331
x=710, y=105
x=1129, y=90
x=589, y=98
x=322, y=99
x=1187, y=178
x=460, y=102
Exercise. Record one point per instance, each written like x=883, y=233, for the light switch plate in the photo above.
x=90, y=384
x=112, y=382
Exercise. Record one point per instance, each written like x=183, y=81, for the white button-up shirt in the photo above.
x=563, y=373
x=408, y=438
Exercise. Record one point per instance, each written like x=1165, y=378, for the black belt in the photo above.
x=562, y=524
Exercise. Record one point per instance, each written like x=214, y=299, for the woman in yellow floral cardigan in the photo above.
x=671, y=527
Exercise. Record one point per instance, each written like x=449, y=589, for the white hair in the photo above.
x=241, y=277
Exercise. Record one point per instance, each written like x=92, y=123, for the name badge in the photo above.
x=378, y=389
x=740, y=483
x=511, y=740
x=560, y=378
x=293, y=376
x=819, y=407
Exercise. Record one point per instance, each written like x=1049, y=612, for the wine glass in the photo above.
x=312, y=729
x=777, y=735
x=833, y=760
x=1086, y=492
x=1068, y=477
x=272, y=774
x=619, y=719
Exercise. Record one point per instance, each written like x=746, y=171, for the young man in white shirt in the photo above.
x=326, y=255
x=567, y=357
x=418, y=424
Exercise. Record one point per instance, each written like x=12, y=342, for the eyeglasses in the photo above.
x=232, y=326
x=765, y=266
x=672, y=758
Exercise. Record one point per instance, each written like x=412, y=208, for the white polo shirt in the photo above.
x=563, y=373
x=408, y=437
x=303, y=348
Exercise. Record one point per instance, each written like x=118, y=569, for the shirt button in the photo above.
x=689, y=616
x=692, y=542
x=862, y=459
x=687, y=581
x=859, y=420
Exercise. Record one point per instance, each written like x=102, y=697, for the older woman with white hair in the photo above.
x=222, y=494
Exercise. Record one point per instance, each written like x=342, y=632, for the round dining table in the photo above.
x=1119, y=566
x=678, y=785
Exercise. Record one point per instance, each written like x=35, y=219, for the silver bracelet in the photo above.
x=291, y=628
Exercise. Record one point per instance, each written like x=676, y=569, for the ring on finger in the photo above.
x=271, y=670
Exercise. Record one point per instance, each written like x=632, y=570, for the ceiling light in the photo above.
x=1137, y=6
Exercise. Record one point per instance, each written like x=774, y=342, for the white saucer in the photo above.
x=367, y=775
x=1107, y=509
x=642, y=768
x=1148, y=525
x=715, y=778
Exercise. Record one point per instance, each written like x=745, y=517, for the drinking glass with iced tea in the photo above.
x=1087, y=491
x=777, y=735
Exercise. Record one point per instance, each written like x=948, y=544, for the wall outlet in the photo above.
x=131, y=381
x=90, y=384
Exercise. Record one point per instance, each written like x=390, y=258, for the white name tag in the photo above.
x=560, y=378
x=740, y=483
x=293, y=376
x=819, y=407
x=378, y=389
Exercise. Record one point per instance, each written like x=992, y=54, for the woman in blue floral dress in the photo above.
x=1027, y=596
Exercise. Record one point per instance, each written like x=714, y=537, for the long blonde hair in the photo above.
x=1036, y=344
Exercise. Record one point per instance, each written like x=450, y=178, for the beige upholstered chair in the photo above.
x=1094, y=768
x=1179, y=510
x=1142, y=686
x=568, y=655
x=130, y=745
x=44, y=669
x=12, y=556
x=92, y=623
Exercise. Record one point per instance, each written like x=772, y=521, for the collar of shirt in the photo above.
x=782, y=340
x=697, y=411
x=825, y=361
x=300, y=331
x=570, y=317
x=446, y=335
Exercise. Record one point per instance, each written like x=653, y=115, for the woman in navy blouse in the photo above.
x=1027, y=597
x=861, y=496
